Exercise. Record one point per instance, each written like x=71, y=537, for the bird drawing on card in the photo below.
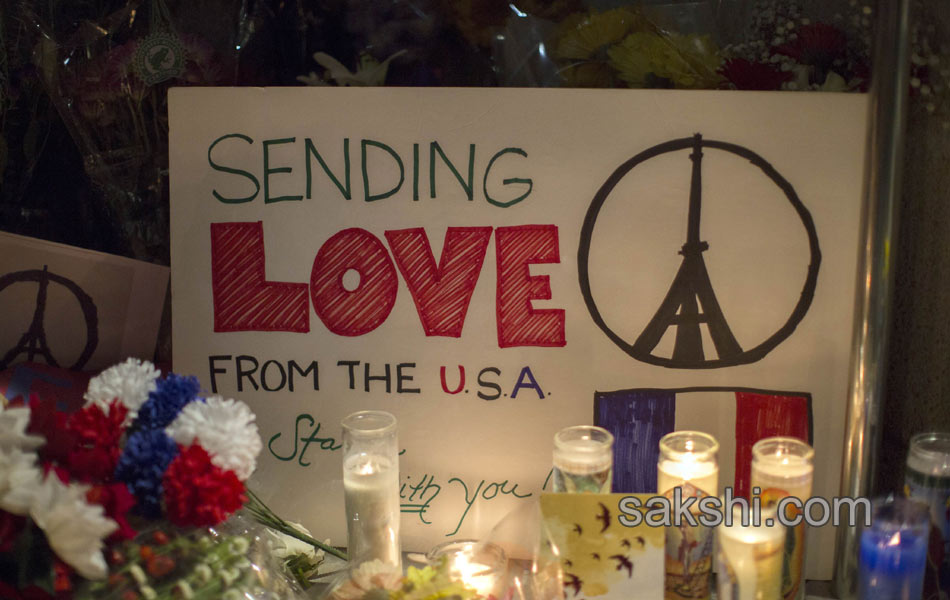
x=623, y=563
x=574, y=582
x=604, y=517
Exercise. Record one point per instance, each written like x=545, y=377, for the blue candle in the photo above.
x=893, y=554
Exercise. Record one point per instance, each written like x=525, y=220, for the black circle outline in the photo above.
x=751, y=355
x=88, y=306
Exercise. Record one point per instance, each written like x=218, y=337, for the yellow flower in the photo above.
x=647, y=59
x=583, y=42
x=586, y=35
x=433, y=582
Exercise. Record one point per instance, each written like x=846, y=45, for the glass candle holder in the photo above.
x=893, y=550
x=928, y=479
x=781, y=467
x=688, y=463
x=481, y=566
x=750, y=557
x=583, y=460
x=371, y=487
x=688, y=457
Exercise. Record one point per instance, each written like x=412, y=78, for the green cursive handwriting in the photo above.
x=326, y=443
x=495, y=489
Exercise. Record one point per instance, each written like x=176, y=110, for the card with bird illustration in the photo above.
x=600, y=556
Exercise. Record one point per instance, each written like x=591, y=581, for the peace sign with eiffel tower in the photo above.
x=691, y=300
x=33, y=343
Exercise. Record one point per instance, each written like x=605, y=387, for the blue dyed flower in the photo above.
x=164, y=404
x=142, y=465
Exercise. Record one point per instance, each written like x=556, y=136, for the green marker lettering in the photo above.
x=466, y=185
x=241, y=172
x=268, y=171
x=312, y=151
x=402, y=171
x=508, y=181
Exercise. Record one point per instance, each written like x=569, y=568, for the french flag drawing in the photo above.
x=639, y=417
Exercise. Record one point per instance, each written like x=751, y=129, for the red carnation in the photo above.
x=97, y=435
x=818, y=44
x=747, y=75
x=56, y=470
x=116, y=500
x=50, y=423
x=198, y=493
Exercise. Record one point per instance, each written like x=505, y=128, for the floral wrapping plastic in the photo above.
x=534, y=565
x=107, y=67
x=770, y=45
x=232, y=560
x=533, y=570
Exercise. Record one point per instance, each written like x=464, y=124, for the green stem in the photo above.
x=268, y=517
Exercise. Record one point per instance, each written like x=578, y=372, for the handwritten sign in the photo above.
x=73, y=308
x=493, y=265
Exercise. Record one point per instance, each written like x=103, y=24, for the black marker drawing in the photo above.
x=573, y=581
x=623, y=563
x=603, y=516
x=33, y=343
x=691, y=300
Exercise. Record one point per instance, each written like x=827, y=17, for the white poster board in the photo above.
x=311, y=277
x=75, y=308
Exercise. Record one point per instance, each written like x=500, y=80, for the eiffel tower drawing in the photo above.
x=33, y=342
x=691, y=301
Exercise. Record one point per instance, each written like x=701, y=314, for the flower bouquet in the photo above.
x=107, y=67
x=130, y=496
x=640, y=45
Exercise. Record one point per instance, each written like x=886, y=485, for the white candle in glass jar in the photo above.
x=481, y=566
x=750, y=559
x=782, y=467
x=583, y=457
x=790, y=474
x=688, y=461
x=703, y=475
x=371, y=495
x=583, y=460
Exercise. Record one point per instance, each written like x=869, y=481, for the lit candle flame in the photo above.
x=474, y=575
x=895, y=539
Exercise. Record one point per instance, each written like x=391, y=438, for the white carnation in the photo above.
x=19, y=479
x=129, y=382
x=283, y=545
x=13, y=424
x=73, y=527
x=223, y=427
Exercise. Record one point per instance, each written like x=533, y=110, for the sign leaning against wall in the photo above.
x=493, y=265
